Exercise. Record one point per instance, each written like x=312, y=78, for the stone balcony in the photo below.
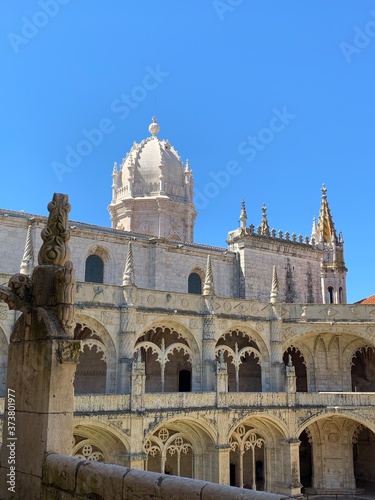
x=102, y=403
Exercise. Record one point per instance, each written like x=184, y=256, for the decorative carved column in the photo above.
x=277, y=375
x=208, y=354
x=138, y=383
x=221, y=381
x=42, y=344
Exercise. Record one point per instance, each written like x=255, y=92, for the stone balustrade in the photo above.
x=194, y=400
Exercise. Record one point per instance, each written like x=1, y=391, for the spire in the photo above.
x=243, y=215
x=114, y=181
x=264, y=227
x=128, y=276
x=274, y=295
x=326, y=229
x=208, y=287
x=27, y=263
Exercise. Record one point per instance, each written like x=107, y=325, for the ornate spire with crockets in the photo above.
x=128, y=276
x=274, y=295
x=243, y=215
x=208, y=287
x=326, y=229
x=27, y=263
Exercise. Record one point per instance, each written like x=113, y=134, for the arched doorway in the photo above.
x=337, y=454
x=364, y=458
x=305, y=459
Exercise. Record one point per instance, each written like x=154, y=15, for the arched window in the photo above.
x=94, y=270
x=330, y=295
x=194, y=283
x=340, y=295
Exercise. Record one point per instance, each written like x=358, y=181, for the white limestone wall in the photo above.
x=158, y=264
x=296, y=267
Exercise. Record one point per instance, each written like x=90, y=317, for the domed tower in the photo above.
x=152, y=192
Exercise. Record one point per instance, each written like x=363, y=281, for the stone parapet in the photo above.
x=72, y=478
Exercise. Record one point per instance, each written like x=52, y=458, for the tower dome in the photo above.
x=152, y=192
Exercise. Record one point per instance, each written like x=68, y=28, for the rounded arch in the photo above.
x=247, y=365
x=326, y=414
x=180, y=446
x=257, y=443
x=253, y=335
x=99, y=342
x=169, y=349
x=108, y=442
x=339, y=442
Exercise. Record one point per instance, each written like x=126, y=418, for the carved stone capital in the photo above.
x=68, y=351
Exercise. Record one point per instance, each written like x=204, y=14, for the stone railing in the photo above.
x=197, y=400
x=74, y=478
x=89, y=294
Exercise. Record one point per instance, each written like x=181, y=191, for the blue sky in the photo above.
x=266, y=99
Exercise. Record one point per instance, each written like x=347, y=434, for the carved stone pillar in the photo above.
x=221, y=381
x=138, y=384
x=208, y=354
x=41, y=363
x=277, y=366
x=292, y=472
x=220, y=458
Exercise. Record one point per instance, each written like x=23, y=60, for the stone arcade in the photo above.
x=241, y=365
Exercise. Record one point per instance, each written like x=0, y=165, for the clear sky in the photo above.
x=268, y=99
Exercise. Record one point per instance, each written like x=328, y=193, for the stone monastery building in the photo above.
x=240, y=365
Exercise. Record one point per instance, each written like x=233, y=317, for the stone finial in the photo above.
x=243, y=215
x=128, y=276
x=27, y=263
x=208, y=287
x=275, y=287
x=264, y=227
x=154, y=127
x=55, y=236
